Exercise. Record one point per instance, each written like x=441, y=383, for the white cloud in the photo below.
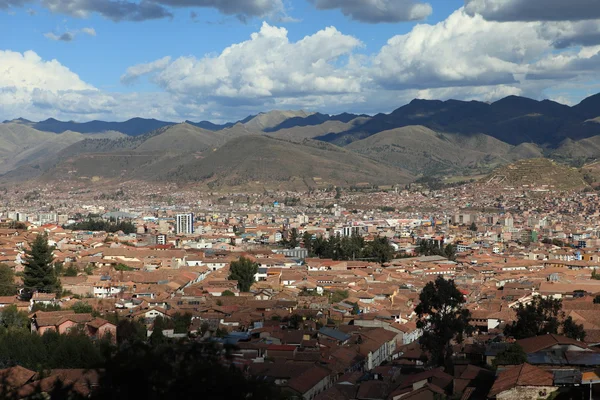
x=462, y=50
x=266, y=66
x=89, y=31
x=136, y=71
x=376, y=11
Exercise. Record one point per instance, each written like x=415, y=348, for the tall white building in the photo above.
x=185, y=224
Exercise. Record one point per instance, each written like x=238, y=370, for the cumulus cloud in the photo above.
x=463, y=50
x=134, y=72
x=268, y=65
x=376, y=11
x=534, y=10
x=32, y=86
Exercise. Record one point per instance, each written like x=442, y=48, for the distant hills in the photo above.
x=303, y=149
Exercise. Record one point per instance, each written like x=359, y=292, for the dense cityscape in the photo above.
x=323, y=294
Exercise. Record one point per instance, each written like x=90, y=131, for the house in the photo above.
x=310, y=383
x=523, y=382
x=65, y=321
x=45, y=299
x=334, y=335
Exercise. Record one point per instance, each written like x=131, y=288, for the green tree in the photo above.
x=11, y=317
x=539, y=317
x=338, y=296
x=295, y=321
x=182, y=322
x=45, y=307
x=355, y=309
x=7, y=281
x=228, y=293
x=129, y=331
x=294, y=240
x=82, y=307
x=39, y=274
x=243, y=272
x=442, y=319
x=597, y=299
x=379, y=249
x=512, y=355
x=308, y=243
x=473, y=227
x=573, y=330
x=71, y=270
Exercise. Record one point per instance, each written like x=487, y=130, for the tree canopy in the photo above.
x=540, y=317
x=442, y=319
x=512, y=355
x=39, y=274
x=243, y=272
x=7, y=281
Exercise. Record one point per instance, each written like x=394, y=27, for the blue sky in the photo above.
x=466, y=49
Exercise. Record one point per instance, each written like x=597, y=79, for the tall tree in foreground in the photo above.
x=7, y=281
x=442, y=319
x=243, y=272
x=39, y=274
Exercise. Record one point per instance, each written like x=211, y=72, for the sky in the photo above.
x=221, y=60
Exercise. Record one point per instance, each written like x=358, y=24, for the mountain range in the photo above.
x=302, y=149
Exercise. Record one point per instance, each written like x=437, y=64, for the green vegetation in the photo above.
x=292, y=201
x=338, y=296
x=243, y=272
x=294, y=239
x=349, y=248
x=82, y=308
x=100, y=225
x=228, y=293
x=442, y=319
x=39, y=274
x=45, y=307
x=71, y=270
x=429, y=248
x=540, y=317
x=7, y=281
x=512, y=355
x=122, y=267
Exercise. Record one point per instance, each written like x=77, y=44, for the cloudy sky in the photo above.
x=224, y=59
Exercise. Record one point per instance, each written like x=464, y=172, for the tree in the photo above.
x=82, y=308
x=473, y=227
x=573, y=330
x=442, y=318
x=39, y=273
x=539, y=317
x=597, y=299
x=7, y=281
x=339, y=295
x=227, y=293
x=131, y=331
x=71, y=270
x=379, y=249
x=355, y=309
x=11, y=317
x=182, y=322
x=295, y=321
x=308, y=243
x=294, y=240
x=512, y=355
x=243, y=272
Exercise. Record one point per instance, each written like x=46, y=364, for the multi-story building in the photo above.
x=185, y=224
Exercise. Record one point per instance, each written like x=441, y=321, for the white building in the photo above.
x=185, y=224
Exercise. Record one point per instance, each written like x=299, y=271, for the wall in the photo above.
x=526, y=393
